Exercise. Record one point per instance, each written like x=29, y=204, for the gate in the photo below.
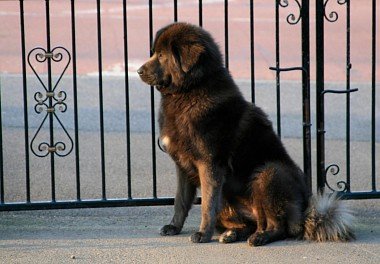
x=343, y=186
x=50, y=103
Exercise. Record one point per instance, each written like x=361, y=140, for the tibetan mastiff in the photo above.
x=251, y=188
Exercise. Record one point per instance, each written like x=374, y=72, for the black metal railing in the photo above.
x=344, y=187
x=373, y=103
x=25, y=99
x=51, y=100
x=1, y=155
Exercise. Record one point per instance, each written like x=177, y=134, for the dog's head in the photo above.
x=183, y=55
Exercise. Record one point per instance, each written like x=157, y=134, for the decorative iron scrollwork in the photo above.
x=334, y=170
x=333, y=15
x=50, y=101
x=292, y=19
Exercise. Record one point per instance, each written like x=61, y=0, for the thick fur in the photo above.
x=327, y=219
x=251, y=188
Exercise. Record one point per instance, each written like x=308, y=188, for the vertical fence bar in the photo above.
x=226, y=32
x=348, y=87
x=74, y=54
x=252, y=49
x=127, y=121
x=153, y=125
x=200, y=14
x=321, y=176
x=175, y=11
x=1, y=153
x=100, y=68
x=305, y=27
x=25, y=102
x=373, y=112
x=278, y=99
x=51, y=120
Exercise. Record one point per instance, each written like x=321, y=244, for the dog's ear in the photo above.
x=188, y=54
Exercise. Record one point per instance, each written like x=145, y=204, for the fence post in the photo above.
x=305, y=26
x=320, y=98
x=1, y=154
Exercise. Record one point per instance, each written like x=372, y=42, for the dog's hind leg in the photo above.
x=228, y=236
x=275, y=230
x=266, y=237
x=270, y=226
x=236, y=234
x=270, y=207
x=235, y=226
x=280, y=225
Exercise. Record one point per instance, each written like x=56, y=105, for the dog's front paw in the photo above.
x=200, y=237
x=169, y=230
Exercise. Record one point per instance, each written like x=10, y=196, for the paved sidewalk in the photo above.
x=130, y=235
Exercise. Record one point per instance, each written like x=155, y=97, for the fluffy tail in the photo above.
x=327, y=219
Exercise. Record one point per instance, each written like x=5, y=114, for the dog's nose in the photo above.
x=140, y=71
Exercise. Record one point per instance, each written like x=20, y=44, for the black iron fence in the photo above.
x=50, y=102
x=322, y=17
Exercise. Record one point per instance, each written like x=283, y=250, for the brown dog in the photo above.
x=250, y=186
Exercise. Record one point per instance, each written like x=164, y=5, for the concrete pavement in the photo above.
x=130, y=235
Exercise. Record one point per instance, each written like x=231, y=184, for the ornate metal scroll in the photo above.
x=333, y=15
x=334, y=170
x=50, y=101
x=292, y=18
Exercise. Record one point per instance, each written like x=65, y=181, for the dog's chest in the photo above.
x=180, y=141
x=179, y=133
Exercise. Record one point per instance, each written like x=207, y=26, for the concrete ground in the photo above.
x=131, y=235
